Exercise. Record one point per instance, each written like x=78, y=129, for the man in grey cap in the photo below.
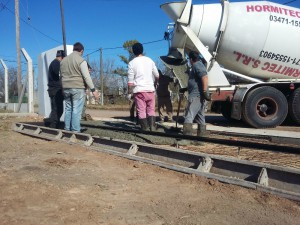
x=198, y=95
x=55, y=91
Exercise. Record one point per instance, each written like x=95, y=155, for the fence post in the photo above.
x=5, y=81
x=30, y=81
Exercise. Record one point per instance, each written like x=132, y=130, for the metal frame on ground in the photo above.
x=277, y=180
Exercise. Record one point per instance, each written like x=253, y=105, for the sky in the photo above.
x=96, y=24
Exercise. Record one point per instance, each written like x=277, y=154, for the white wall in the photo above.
x=44, y=60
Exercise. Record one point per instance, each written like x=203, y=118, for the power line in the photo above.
x=2, y=6
x=289, y=2
x=5, y=7
x=112, y=48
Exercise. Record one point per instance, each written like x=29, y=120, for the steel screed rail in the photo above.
x=277, y=180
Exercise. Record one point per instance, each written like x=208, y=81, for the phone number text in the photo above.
x=283, y=20
x=279, y=57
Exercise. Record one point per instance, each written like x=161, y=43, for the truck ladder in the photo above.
x=281, y=181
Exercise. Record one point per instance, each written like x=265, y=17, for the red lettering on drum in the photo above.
x=272, y=67
x=273, y=9
x=266, y=66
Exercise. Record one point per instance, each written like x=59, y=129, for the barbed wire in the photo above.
x=14, y=61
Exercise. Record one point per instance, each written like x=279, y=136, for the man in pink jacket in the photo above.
x=142, y=74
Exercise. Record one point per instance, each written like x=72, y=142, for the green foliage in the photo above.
x=120, y=71
x=126, y=59
x=127, y=46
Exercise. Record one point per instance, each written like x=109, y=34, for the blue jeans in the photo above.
x=195, y=110
x=74, y=101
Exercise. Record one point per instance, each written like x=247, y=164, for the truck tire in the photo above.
x=265, y=107
x=294, y=106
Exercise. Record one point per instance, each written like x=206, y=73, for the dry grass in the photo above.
x=5, y=111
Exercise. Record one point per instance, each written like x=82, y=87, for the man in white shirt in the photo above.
x=142, y=74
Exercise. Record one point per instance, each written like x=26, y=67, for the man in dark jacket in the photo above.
x=55, y=91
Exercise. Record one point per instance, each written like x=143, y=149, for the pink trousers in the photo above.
x=145, y=104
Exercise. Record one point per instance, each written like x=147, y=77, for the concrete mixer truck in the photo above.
x=252, y=52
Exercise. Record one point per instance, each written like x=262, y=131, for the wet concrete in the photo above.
x=137, y=136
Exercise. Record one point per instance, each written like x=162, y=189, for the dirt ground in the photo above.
x=44, y=182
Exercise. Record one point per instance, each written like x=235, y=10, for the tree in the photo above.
x=111, y=83
x=127, y=45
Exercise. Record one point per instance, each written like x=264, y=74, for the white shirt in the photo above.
x=142, y=73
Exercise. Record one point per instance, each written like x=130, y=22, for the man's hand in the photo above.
x=182, y=90
x=156, y=84
x=206, y=95
x=175, y=81
x=96, y=95
x=129, y=97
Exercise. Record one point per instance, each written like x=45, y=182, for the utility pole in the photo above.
x=63, y=25
x=19, y=77
x=101, y=77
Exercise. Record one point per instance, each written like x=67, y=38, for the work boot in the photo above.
x=170, y=120
x=53, y=125
x=187, y=129
x=151, y=121
x=137, y=120
x=201, y=130
x=161, y=119
x=88, y=117
x=132, y=118
x=47, y=122
x=144, y=124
